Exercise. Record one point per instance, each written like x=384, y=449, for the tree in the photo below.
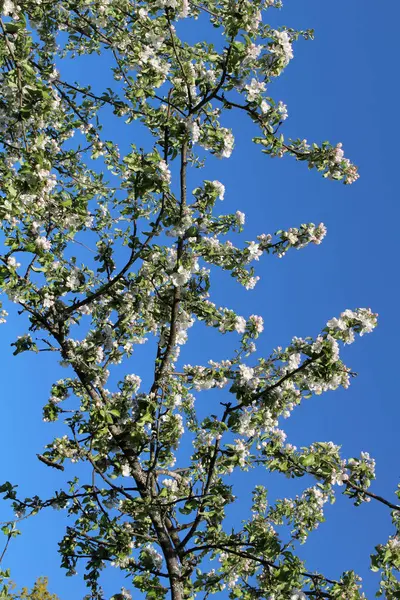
x=158, y=247
x=38, y=592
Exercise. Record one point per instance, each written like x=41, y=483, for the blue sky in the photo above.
x=341, y=87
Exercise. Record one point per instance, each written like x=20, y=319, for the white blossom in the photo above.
x=251, y=283
x=254, y=89
x=133, y=380
x=283, y=47
x=339, y=153
x=240, y=217
x=155, y=556
x=185, y=9
x=8, y=7
x=42, y=243
x=73, y=280
x=253, y=51
x=181, y=276
x=240, y=324
x=194, y=131
x=172, y=487
x=165, y=172
x=247, y=376
x=265, y=107
x=126, y=471
x=339, y=477
x=228, y=143
x=12, y=262
x=48, y=301
x=257, y=322
x=254, y=251
x=220, y=189
x=241, y=451
x=282, y=110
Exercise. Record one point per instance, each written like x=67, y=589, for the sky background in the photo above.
x=342, y=87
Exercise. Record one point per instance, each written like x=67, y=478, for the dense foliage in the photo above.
x=144, y=507
x=38, y=592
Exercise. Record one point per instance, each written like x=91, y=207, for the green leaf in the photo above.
x=11, y=27
x=307, y=461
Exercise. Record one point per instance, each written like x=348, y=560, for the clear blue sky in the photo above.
x=342, y=87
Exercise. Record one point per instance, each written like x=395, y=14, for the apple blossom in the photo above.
x=118, y=252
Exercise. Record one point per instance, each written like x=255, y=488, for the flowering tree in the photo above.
x=143, y=507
